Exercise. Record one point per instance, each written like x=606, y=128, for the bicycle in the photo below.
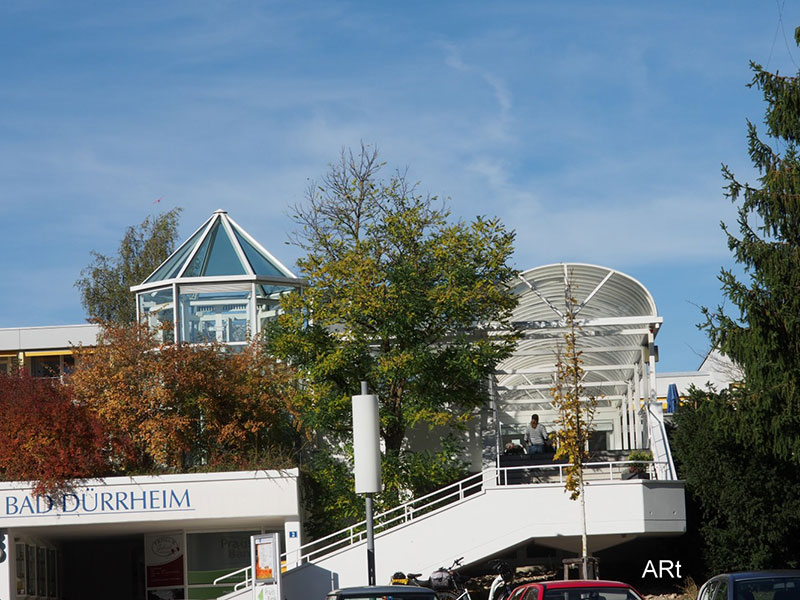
x=447, y=583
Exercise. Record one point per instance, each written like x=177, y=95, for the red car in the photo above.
x=575, y=589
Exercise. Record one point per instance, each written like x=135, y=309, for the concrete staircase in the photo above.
x=484, y=515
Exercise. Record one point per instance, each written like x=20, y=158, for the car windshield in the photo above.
x=776, y=588
x=592, y=593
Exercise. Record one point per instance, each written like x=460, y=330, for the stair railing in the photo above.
x=491, y=477
x=403, y=513
x=246, y=582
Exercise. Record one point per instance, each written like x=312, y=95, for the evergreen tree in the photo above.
x=737, y=448
x=764, y=337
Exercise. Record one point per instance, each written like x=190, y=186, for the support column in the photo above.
x=637, y=380
x=642, y=403
x=291, y=532
x=626, y=443
x=652, y=396
x=7, y=582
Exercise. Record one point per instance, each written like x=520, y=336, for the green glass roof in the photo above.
x=219, y=248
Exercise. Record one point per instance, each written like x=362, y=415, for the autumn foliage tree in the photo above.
x=396, y=297
x=45, y=437
x=182, y=407
x=575, y=412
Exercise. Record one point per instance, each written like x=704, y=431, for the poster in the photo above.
x=265, y=559
x=163, y=559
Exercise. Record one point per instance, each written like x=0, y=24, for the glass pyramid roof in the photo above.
x=219, y=248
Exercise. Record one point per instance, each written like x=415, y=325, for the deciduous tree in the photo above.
x=184, y=407
x=399, y=295
x=575, y=413
x=45, y=437
x=105, y=283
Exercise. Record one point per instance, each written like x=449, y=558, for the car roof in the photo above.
x=575, y=583
x=775, y=573
x=566, y=584
x=383, y=590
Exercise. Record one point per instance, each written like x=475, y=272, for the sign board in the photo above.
x=163, y=559
x=265, y=552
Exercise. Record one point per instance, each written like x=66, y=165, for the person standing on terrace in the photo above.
x=535, y=436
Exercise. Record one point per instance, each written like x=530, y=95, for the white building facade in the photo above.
x=160, y=537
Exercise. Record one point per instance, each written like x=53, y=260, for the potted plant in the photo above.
x=638, y=470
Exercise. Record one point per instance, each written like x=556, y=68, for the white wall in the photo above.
x=503, y=517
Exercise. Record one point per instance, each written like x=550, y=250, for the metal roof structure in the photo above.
x=219, y=285
x=220, y=248
x=618, y=322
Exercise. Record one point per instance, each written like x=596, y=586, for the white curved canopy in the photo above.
x=618, y=321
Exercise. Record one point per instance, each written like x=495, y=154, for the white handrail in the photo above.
x=396, y=516
x=246, y=582
x=452, y=494
x=659, y=444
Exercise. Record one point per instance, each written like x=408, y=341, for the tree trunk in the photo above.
x=584, y=536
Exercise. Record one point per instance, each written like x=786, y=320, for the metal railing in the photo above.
x=399, y=515
x=659, y=442
x=492, y=477
x=615, y=470
x=244, y=572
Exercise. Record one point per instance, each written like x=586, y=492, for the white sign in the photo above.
x=265, y=552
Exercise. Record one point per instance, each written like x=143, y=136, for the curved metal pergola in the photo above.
x=618, y=323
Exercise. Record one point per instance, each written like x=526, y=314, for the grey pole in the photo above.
x=370, y=522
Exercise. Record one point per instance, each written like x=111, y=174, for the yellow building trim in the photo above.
x=49, y=353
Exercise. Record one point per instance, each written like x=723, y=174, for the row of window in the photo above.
x=36, y=571
x=40, y=366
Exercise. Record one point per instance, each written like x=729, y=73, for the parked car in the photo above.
x=382, y=592
x=752, y=585
x=576, y=589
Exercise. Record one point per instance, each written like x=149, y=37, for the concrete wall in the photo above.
x=501, y=518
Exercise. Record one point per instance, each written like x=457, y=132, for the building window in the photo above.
x=211, y=555
x=156, y=309
x=51, y=366
x=215, y=316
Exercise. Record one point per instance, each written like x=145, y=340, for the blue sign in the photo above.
x=91, y=501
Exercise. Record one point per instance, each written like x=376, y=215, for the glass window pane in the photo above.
x=156, y=309
x=260, y=263
x=52, y=576
x=212, y=555
x=30, y=568
x=41, y=571
x=777, y=588
x=45, y=366
x=21, y=581
x=196, y=268
x=268, y=302
x=214, y=317
x=172, y=266
x=218, y=256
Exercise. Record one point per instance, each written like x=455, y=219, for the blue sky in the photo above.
x=595, y=130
